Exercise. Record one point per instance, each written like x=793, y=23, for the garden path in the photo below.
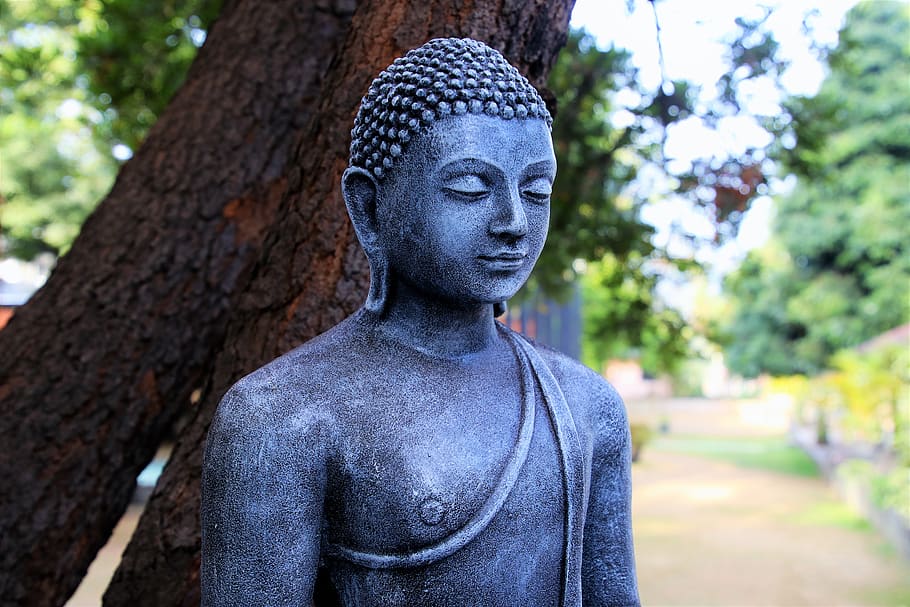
x=709, y=532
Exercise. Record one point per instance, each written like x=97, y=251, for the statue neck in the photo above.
x=437, y=327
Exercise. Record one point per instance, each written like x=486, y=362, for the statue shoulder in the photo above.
x=267, y=458
x=268, y=404
x=299, y=394
x=286, y=397
x=595, y=403
x=301, y=381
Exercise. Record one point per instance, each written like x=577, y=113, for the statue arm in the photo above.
x=263, y=486
x=608, y=561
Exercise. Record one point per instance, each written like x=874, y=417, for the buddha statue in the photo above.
x=420, y=452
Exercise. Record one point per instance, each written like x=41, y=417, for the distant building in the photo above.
x=18, y=282
x=896, y=336
x=551, y=323
x=633, y=383
x=12, y=295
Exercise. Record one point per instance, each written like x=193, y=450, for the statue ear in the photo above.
x=360, y=192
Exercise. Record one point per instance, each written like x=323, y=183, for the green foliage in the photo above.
x=831, y=514
x=874, y=389
x=687, y=378
x=887, y=597
x=869, y=394
x=772, y=454
x=596, y=215
x=838, y=271
x=889, y=489
x=753, y=54
x=76, y=80
x=595, y=218
x=622, y=316
x=641, y=436
x=760, y=286
x=590, y=216
x=726, y=185
x=52, y=172
x=136, y=55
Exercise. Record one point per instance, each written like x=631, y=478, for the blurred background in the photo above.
x=727, y=246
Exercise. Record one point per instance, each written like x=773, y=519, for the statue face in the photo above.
x=463, y=215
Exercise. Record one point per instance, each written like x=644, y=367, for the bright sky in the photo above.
x=692, y=30
x=692, y=35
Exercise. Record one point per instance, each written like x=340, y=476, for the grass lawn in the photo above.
x=766, y=453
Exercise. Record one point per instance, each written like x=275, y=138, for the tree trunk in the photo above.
x=311, y=273
x=133, y=321
x=94, y=369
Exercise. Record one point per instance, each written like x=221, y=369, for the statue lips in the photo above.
x=507, y=260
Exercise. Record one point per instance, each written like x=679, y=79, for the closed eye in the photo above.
x=472, y=195
x=537, y=195
x=468, y=186
x=538, y=190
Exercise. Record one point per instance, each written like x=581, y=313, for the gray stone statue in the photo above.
x=421, y=453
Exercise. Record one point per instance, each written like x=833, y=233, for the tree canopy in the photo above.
x=80, y=86
x=223, y=243
x=612, y=165
x=107, y=69
x=93, y=79
x=836, y=272
x=597, y=235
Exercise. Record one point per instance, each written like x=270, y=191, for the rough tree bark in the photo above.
x=94, y=369
x=311, y=271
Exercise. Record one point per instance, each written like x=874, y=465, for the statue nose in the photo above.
x=510, y=219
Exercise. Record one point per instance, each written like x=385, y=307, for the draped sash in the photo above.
x=534, y=374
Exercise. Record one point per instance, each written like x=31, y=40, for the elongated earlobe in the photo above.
x=379, y=284
x=360, y=191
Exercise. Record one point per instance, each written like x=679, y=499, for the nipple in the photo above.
x=432, y=511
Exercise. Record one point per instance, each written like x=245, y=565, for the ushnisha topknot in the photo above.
x=445, y=76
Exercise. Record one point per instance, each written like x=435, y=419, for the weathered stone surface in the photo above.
x=420, y=453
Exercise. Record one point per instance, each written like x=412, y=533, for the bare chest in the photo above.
x=442, y=462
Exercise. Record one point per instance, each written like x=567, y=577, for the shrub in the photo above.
x=641, y=434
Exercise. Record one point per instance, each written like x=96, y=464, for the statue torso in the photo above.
x=420, y=444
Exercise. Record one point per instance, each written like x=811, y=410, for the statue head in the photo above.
x=451, y=119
